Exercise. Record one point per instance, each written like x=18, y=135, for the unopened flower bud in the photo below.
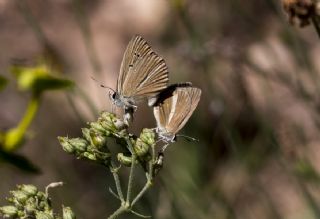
x=97, y=127
x=141, y=148
x=30, y=207
x=41, y=196
x=66, y=146
x=90, y=156
x=43, y=215
x=111, y=123
x=79, y=144
x=9, y=211
x=67, y=213
x=29, y=189
x=148, y=136
x=86, y=133
x=20, y=196
x=97, y=139
x=125, y=160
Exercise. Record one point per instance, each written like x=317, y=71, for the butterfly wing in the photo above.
x=142, y=73
x=173, y=113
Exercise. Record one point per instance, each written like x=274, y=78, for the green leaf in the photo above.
x=18, y=161
x=38, y=79
x=51, y=83
x=3, y=82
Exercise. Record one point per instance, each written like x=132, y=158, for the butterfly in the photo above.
x=173, y=109
x=143, y=75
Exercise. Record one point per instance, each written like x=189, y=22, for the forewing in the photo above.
x=143, y=73
x=184, y=102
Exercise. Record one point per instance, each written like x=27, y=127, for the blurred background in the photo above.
x=258, y=119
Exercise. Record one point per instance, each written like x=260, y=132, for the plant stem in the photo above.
x=15, y=136
x=133, y=162
x=130, y=181
x=141, y=193
x=118, y=212
x=117, y=181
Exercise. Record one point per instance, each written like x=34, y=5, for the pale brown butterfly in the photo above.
x=173, y=109
x=143, y=75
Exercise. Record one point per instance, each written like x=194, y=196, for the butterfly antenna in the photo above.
x=188, y=138
x=102, y=85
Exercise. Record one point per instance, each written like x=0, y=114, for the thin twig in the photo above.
x=113, y=193
x=118, y=212
x=139, y=215
x=117, y=181
x=141, y=193
x=130, y=181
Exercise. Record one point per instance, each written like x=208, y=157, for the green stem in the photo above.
x=117, y=181
x=15, y=135
x=149, y=178
x=118, y=212
x=141, y=193
x=133, y=162
x=130, y=181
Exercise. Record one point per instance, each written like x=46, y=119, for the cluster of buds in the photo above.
x=141, y=147
x=93, y=144
x=28, y=202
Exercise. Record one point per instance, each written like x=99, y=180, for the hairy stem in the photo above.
x=117, y=181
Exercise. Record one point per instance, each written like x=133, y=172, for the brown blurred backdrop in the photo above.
x=257, y=121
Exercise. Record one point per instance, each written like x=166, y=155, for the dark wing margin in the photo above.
x=142, y=73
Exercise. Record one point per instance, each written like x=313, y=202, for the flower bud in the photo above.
x=97, y=139
x=90, y=156
x=86, y=134
x=97, y=127
x=30, y=207
x=20, y=196
x=29, y=189
x=67, y=213
x=66, y=146
x=79, y=144
x=43, y=215
x=141, y=148
x=123, y=159
x=9, y=211
x=41, y=196
x=111, y=123
x=148, y=136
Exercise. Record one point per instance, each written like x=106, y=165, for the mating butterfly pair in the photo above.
x=144, y=75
